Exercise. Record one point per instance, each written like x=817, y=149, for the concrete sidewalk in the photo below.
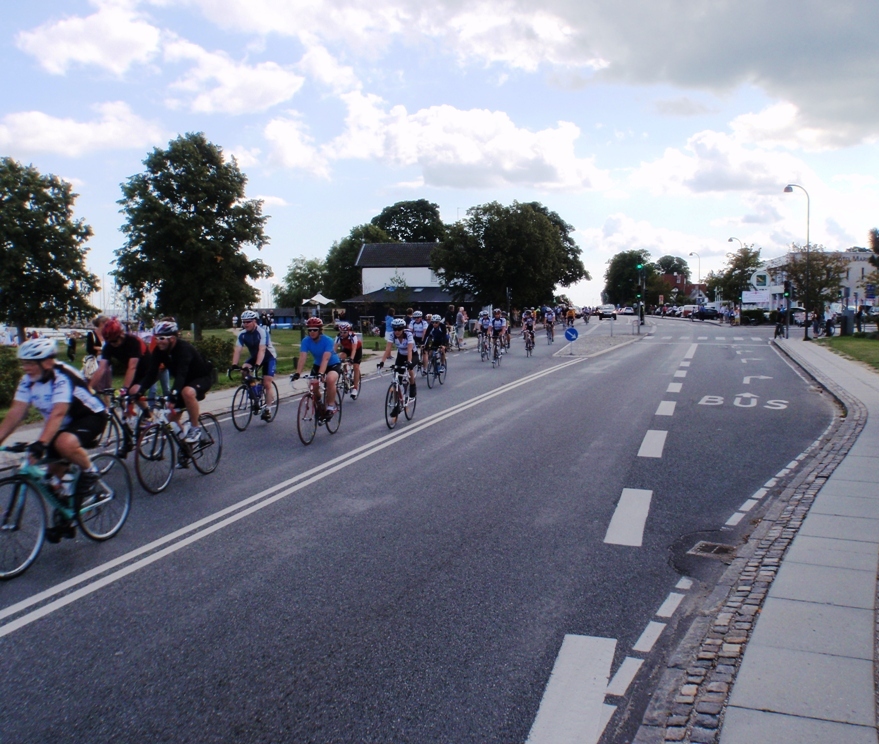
x=809, y=669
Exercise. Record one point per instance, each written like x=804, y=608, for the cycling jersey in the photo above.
x=351, y=346
x=436, y=336
x=404, y=341
x=419, y=328
x=498, y=325
x=484, y=324
x=259, y=336
x=63, y=384
x=184, y=362
x=318, y=347
x=549, y=317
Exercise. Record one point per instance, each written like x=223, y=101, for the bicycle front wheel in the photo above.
x=409, y=407
x=440, y=370
x=22, y=526
x=431, y=372
x=102, y=513
x=206, y=451
x=154, y=458
x=332, y=424
x=306, y=419
x=392, y=408
x=242, y=408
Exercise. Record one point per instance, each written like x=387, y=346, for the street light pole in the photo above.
x=742, y=248
x=789, y=189
x=699, y=275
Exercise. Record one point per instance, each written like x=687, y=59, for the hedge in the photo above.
x=218, y=351
x=10, y=374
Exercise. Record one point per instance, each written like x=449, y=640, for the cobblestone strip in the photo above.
x=696, y=711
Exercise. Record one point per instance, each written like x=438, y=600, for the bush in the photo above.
x=753, y=317
x=218, y=351
x=10, y=374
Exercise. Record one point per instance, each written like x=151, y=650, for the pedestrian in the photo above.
x=71, y=347
x=460, y=320
x=816, y=323
x=234, y=321
x=859, y=317
x=389, y=329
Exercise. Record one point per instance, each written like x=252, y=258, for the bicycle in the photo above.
x=497, y=352
x=529, y=342
x=397, y=400
x=249, y=399
x=160, y=446
x=436, y=370
x=313, y=410
x=550, y=333
x=123, y=424
x=484, y=351
x=346, y=379
x=26, y=496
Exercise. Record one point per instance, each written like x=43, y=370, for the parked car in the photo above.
x=628, y=310
x=704, y=313
x=607, y=311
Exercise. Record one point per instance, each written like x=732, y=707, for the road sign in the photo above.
x=571, y=334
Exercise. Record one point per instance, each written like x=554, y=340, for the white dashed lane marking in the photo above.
x=627, y=524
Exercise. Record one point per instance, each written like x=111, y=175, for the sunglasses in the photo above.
x=314, y=330
x=164, y=338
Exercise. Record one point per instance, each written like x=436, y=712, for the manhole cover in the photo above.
x=712, y=550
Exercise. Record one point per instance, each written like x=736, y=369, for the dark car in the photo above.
x=704, y=313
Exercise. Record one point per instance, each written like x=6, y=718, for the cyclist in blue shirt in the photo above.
x=258, y=342
x=326, y=361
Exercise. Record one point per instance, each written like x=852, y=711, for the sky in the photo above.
x=658, y=124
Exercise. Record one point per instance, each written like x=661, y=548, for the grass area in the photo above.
x=863, y=349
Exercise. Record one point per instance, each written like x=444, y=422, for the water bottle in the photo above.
x=67, y=483
x=257, y=390
x=175, y=427
x=56, y=485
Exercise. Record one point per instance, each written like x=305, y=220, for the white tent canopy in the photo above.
x=319, y=299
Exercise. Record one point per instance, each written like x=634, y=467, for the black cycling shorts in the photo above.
x=200, y=384
x=337, y=368
x=87, y=429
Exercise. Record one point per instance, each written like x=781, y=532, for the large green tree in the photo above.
x=415, y=221
x=305, y=277
x=736, y=276
x=186, y=224
x=817, y=277
x=523, y=249
x=343, y=277
x=673, y=265
x=622, y=277
x=43, y=277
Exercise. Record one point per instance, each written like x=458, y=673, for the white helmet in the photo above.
x=37, y=349
x=417, y=314
x=249, y=315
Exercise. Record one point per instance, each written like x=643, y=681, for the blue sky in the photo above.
x=652, y=124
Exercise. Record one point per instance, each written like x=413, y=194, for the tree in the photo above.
x=873, y=277
x=43, y=277
x=343, y=277
x=522, y=248
x=816, y=277
x=672, y=265
x=736, y=277
x=304, y=278
x=621, y=280
x=412, y=222
x=187, y=221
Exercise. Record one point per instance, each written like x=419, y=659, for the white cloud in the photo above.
x=681, y=106
x=272, y=201
x=318, y=63
x=781, y=125
x=115, y=38
x=465, y=149
x=220, y=85
x=245, y=157
x=294, y=148
x=118, y=128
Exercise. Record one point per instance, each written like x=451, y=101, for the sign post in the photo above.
x=571, y=334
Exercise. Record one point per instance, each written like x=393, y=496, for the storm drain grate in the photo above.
x=712, y=550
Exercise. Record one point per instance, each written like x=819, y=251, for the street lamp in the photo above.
x=699, y=283
x=789, y=189
x=741, y=247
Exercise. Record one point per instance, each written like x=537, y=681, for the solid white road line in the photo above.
x=674, y=387
x=760, y=493
x=572, y=706
x=748, y=505
x=666, y=408
x=650, y=635
x=667, y=609
x=734, y=519
x=627, y=524
x=624, y=676
x=654, y=441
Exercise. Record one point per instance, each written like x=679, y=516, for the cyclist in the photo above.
x=130, y=350
x=73, y=416
x=193, y=375
x=326, y=361
x=483, y=326
x=528, y=324
x=436, y=338
x=419, y=327
x=348, y=346
x=508, y=330
x=257, y=340
x=570, y=317
x=499, y=329
x=548, y=321
x=405, y=345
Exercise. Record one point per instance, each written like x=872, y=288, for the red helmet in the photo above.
x=112, y=329
x=314, y=323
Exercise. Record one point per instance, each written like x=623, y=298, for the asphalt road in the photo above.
x=416, y=585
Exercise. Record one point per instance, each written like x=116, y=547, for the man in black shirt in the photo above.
x=193, y=375
x=127, y=348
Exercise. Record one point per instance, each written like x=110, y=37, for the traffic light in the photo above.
x=787, y=288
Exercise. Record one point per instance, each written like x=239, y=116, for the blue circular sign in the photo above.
x=571, y=334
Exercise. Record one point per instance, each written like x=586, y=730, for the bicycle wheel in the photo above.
x=102, y=513
x=22, y=526
x=485, y=354
x=431, y=372
x=391, y=404
x=409, y=407
x=154, y=458
x=206, y=451
x=306, y=419
x=111, y=438
x=333, y=423
x=276, y=403
x=440, y=370
x=242, y=408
